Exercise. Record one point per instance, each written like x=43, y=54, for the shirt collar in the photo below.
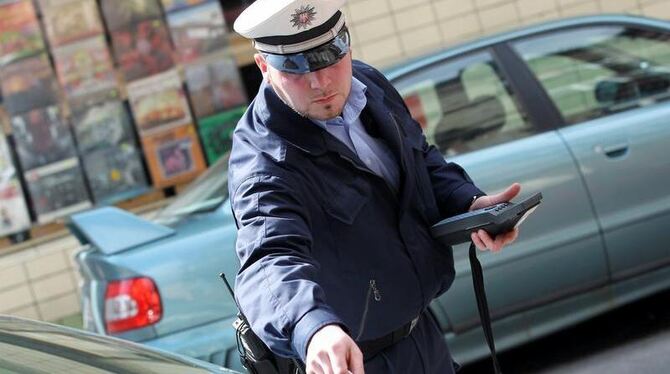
x=352, y=107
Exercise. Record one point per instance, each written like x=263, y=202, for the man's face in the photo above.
x=317, y=95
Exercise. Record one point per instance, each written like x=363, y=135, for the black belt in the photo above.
x=371, y=348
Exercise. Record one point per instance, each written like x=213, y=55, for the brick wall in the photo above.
x=40, y=281
x=387, y=32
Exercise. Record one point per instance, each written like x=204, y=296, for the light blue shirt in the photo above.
x=349, y=129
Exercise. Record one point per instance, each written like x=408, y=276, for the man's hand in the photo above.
x=481, y=238
x=332, y=351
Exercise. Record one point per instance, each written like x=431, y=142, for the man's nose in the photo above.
x=319, y=79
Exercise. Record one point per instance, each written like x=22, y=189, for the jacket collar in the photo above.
x=382, y=109
x=304, y=134
x=285, y=122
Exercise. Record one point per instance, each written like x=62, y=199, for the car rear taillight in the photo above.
x=131, y=304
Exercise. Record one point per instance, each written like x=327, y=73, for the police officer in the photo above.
x=334, y=188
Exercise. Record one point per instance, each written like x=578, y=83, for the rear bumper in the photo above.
x=213, y=342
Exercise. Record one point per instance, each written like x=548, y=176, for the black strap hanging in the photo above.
x=482, y=305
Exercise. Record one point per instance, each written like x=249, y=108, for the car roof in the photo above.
x=44, y=346
x=397, y=71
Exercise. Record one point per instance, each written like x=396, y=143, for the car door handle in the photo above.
x=613, y=151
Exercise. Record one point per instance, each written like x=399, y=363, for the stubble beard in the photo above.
x=281, y=97
x=327, y=107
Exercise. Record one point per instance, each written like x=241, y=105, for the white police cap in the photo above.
x=290, y=26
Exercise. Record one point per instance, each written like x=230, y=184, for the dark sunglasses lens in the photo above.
x=325, y=56
x=314, y=59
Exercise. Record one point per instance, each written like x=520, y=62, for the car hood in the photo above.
x=72, y=348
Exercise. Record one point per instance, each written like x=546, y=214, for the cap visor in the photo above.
x=313, y=59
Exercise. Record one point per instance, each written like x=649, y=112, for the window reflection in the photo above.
x=592, y=72
x=464, y=104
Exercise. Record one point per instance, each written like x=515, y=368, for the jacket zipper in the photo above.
x=372, y=290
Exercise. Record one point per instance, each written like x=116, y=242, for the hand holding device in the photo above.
x=495, y=219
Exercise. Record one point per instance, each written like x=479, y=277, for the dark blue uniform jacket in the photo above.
x=321, y=237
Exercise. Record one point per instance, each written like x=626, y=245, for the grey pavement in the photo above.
x=631, y=339
x=649, y=355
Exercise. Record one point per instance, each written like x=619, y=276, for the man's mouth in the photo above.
x=325, y=99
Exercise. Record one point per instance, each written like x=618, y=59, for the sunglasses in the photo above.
x=313, y=59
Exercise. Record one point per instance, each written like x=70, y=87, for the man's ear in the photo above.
x=262, y=65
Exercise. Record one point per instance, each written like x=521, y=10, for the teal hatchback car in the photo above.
x=577, y=109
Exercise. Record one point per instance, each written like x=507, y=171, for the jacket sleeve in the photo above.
x=276, y=286
x=452, y=185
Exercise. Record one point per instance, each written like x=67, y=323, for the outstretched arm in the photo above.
x=276, y=285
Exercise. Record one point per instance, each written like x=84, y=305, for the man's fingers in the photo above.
x=511, y=236
x=508, y=237
x=483, y=240
x=332, y=351
x=478, y=242
x=338, y=363
x=356, y=361
x=510, y=193
x=320, y=364
x=314, y=368
x=498, y=243
x=486, y=238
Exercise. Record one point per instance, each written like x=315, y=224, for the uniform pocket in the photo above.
x=344, y=201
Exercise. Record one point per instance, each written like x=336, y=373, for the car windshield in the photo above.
x=204, y=194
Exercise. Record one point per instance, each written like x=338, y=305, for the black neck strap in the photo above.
x=482, y=305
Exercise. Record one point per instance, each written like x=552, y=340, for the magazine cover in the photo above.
x=14, y=215
x=214, y=85
x=120, y=13
x=142, y=49
x=216, y=132
x=66, y=21
x=173, y=155
x=85, y=67
x=28, y=84
x=7, y=168
x=57, y=190
x=158, y=101
x=102, y=125
x=197, y=30
x=20, y=34
x=172, y=5
x=115, y=173
x=41, y=137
